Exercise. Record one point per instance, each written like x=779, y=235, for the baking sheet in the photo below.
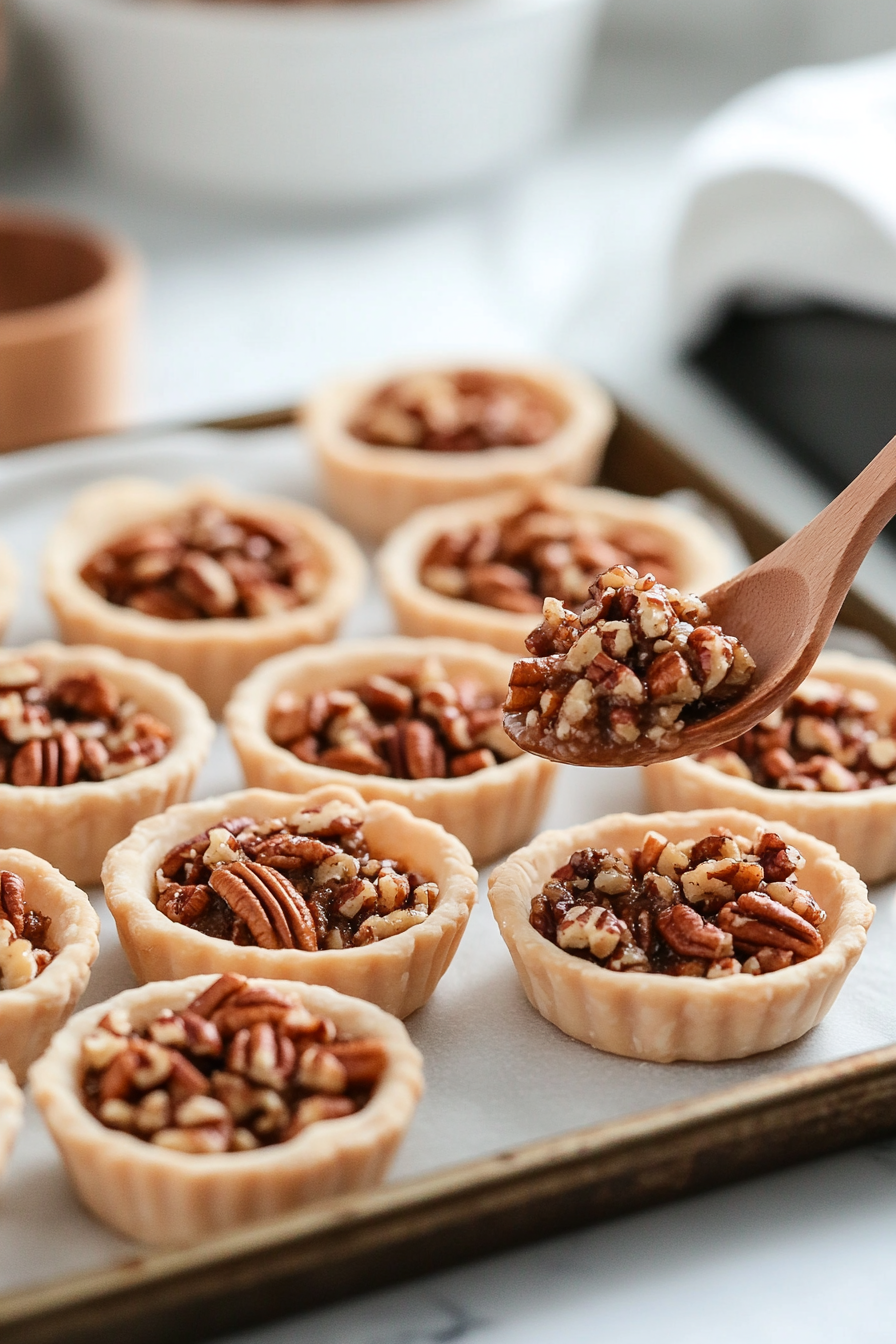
x=497, y=1074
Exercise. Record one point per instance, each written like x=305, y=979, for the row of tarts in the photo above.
x=280, y=933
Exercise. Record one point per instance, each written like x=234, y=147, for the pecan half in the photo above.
x=274, y=911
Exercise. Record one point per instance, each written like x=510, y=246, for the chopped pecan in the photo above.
x=696, y=908
x=199, y=1085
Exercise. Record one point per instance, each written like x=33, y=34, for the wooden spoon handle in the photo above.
x=833, y=545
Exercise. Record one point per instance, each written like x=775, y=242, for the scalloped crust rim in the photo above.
x=661, y=1017
x=398, y=974
x=169, y=1198
x=75, y=826
x=211, y=656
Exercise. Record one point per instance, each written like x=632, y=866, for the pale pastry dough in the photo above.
x=74, y=826
x=861, y=825
x=697, y=555
x=372, y=489
x=664, y=1017
x=210, y=655
x=491, y=811
x=30, y=1014
x=166, y=1197
x=399, y=973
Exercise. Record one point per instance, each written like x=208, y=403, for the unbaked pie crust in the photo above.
x=30, y=1014
x=12, y=1105
x=861, y=825
x=491, y=812
x=165, y=1197
x=74, y=826
x=371, y=489
x=9, y=583
x=697, y=554
x=210, y=655
x=664, y=1017
x=398, y=974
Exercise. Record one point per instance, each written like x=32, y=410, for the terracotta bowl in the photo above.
x=67, y=311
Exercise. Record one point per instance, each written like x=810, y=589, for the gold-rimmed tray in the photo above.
x=501, y=1154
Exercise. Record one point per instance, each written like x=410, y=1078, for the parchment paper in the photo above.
x=497, y=1074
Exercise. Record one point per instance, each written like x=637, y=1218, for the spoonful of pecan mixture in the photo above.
x=77, y=729
x=462, y=412
x=782, y=609
x=625, y=677
x=414, y=724
x=204, y=564
x=309, y=883
x=723, y=905
x=513, y=563
x=241, y=1067
x=23, y=935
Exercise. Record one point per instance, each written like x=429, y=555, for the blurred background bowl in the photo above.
x=67, y=314
x=322, y=106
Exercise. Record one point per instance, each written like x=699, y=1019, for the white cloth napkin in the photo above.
x=790, y=191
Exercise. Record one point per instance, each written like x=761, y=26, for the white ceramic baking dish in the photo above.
x=317, y=105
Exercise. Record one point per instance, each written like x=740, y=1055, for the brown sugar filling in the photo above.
x=408, y=725
x=640, y=660
x=826, y=738
x=713, y=907
x=513, y=563
x=463, y=412
x=205, y=564
x=24, y=952
x=310, y=883
x=77, y=729
x=240, y=1068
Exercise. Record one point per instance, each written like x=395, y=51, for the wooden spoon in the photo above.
x=782, y=608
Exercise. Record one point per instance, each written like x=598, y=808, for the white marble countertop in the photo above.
x=242, y=313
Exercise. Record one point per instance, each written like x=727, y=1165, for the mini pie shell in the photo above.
x=210, y=655
x=30, y=1014
x=371, y=488
x=12, y=1105
x=9, y=583
x=74, y=826
x=398, y=974
x=663, y=1017
x=490, y=812
x=696, y=552
x=165, y=1197
x=861, y=826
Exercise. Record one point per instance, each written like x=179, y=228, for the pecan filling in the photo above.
x=308, y=883
x=238, y=1068
x=515, y=562
x=462, y=412
x=408, y=725
x=711, y=907
x=77, y=729
x=826, y=739
x=641, y=659
x=204, y=564
x=23, y=935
